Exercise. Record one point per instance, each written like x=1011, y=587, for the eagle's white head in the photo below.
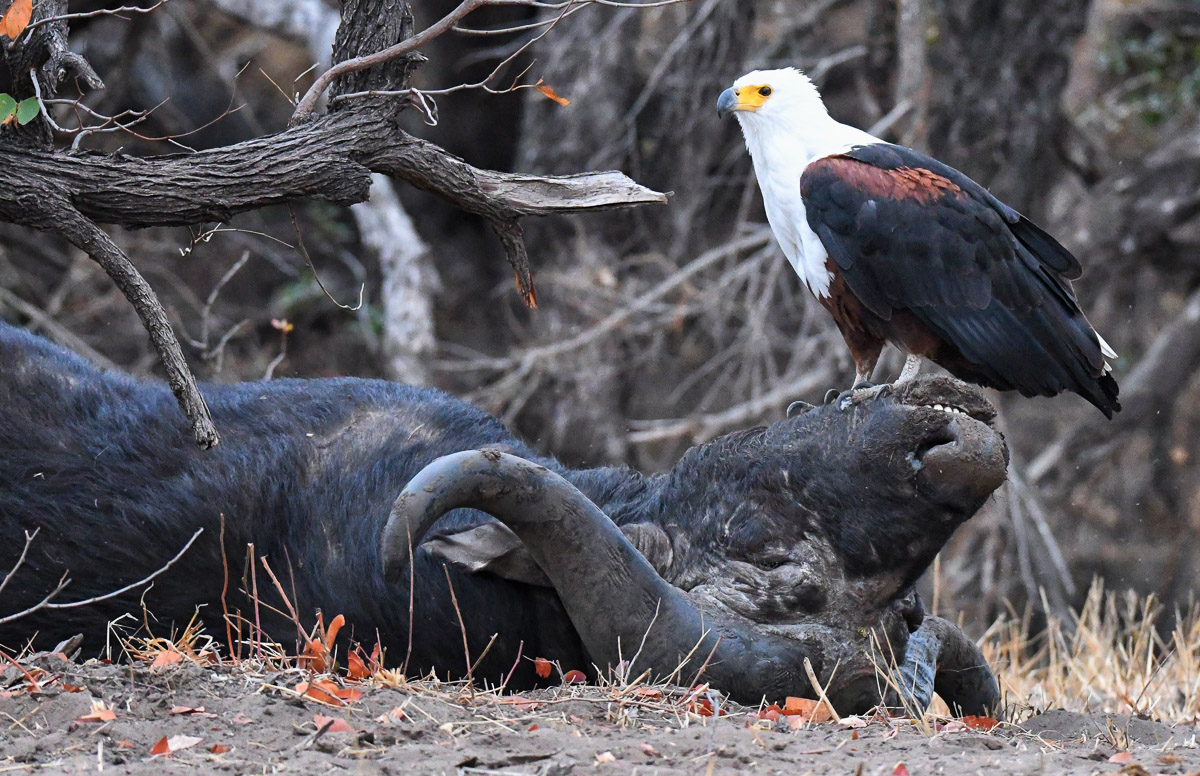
x=783, y=117
x=771, y=96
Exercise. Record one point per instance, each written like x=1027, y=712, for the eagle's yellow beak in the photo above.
x=749, y=98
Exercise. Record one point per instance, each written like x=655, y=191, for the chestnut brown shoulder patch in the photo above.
x=916, y=184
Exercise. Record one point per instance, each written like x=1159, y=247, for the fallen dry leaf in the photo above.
x=900, y=770
x=167, y=746
x=241, y=719
x=98, y=715
x=771, y=713
x=574, y=676
x=606, y=757
x=807, y=710
x=1121, y=757
x=328, y=692
x=390, y=717
x=649, y=750
x=359, y=665
x=334, y=724
x=168, y=657
x=519, y=703
x=980, y=723
x=189, y=710
x=219, y=748
x=542, y=667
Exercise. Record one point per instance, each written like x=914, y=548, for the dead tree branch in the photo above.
x=329, y=158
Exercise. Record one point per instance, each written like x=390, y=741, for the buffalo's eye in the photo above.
x=765, y=91
x=770, y=563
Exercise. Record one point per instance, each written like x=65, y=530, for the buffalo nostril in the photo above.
x=945, y=434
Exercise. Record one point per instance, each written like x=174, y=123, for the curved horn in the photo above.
x=611, y=593
x=941, y=658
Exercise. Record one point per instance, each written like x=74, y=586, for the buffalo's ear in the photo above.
x=492, y=548
x=653, y=543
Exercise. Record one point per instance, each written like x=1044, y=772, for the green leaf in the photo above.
x=8, y=106
x=27, y=110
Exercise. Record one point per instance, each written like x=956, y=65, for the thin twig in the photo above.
x=47, y=604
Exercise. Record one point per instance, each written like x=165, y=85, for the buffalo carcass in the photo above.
x=758, y=550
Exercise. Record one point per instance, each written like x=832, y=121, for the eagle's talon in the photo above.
x=832, y=395
x=798, y=408
x=859, y=394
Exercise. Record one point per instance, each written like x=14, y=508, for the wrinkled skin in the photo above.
x=822, y=557
x=814, y=528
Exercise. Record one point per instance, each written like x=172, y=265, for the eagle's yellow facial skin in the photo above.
x=751, y=96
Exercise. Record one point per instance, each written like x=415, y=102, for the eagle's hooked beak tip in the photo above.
x=727, y=103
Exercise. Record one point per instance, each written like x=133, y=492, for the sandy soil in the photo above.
x=225, y=720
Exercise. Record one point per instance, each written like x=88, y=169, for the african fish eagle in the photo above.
x=901, y=248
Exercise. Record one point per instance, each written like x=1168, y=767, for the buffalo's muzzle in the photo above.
x=961, y=461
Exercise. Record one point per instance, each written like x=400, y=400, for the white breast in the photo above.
x=779, y=160
x=785, y=213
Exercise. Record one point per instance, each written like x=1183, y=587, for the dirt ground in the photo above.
x=107, y=717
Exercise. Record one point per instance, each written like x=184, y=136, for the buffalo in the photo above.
x=760, y=558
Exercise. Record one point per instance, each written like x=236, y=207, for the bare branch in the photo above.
x=29, y=537
x=89, y=238
x=47, y=602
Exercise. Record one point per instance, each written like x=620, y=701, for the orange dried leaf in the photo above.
x=356, y=667
x=71, y=688
x=166, y=658
x=16, y=18
x=162, y=747
x=553, y=95
x=542, y=667
x=335, y=725
x=771, y=713
x=519, y=703
x=574, y=676
x=606, y=757
x=1121, y=758
x=317, y=692
x=338, y=621
x=219, y=748
x=807, y=710
x=395, y=715
x=980, y=723
x=532, y=727
x=900, y=770
x=98, y=715
x=187, y=709
x=182, y=742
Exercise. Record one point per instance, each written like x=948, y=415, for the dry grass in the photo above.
x=1121, y=653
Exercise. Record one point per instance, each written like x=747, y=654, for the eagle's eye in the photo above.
x=765, y=91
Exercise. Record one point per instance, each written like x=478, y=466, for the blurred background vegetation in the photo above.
x=662, y=327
